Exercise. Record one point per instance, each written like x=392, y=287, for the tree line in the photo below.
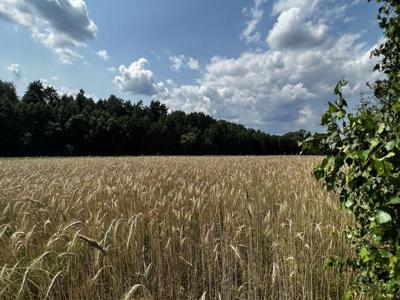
x=44, y=123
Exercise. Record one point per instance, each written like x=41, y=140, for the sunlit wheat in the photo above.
x=169, y=228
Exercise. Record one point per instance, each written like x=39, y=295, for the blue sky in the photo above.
x=268, y=64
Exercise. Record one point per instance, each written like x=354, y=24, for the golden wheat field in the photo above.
x=169, y=228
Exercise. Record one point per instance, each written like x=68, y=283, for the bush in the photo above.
x=363, y=166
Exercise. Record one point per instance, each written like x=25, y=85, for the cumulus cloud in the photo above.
x=255, y=15
x=103, y=54
x=181, y=61
x=306, y=116
x=293, y=31
x=137, y=79
x=275, y=90
x=327, y=10
x=284, y=87
x=287, y=86
x=61, y=25
x=16, y=70
x=307, y=6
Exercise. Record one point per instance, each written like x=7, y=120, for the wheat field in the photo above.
x=169, y=228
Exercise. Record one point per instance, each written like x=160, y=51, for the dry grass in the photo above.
x=168, y=228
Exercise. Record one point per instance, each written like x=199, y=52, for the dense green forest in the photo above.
x=45, y=123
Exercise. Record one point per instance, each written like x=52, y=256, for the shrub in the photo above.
x=363, y=166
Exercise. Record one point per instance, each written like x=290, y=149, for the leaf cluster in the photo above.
x=363, y=166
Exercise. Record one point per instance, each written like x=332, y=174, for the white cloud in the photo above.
x=255, y=14
x=293, y=31
x=16, y=70
x=193, y=64
x=137, y=79
x=181, y=61
x=103, y=54
x=281, y=88
x=306, y=6
x=327, y=11
x=66, y=56
x=306, y=116
x=61, y=25
x=287, y=86
x=176, y=62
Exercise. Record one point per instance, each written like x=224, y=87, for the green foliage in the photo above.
x=387, y=90
x=45, y=123
x=188, y=140
x=364, y=167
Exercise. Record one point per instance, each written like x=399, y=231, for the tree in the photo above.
x=8, y=119
x=388, y=89
x=188, y=141
x=45, y=123
x=364, y=166
x=35, y=93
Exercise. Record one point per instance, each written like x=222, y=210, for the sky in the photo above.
x=267, y=64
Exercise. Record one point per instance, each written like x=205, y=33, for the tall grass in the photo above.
x=169, y=228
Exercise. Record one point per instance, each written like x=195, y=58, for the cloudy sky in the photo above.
x=268, y=64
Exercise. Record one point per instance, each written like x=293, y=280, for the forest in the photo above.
x=44, y=123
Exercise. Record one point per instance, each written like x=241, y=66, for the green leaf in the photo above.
x=391, y=145
x=349, y=203
x=381, y=127
x=374, y=142
x=383, y=217
x=389, y=155
x=396, y=107
x=385, y=254
x=364, y=155
x=339, y=85
x=341, y=114
x=326, y=117
x=341, y=103
x=363, y=252
x=348, y=295
x=384, y=168
x=333, y=108
x=394, y=200
x=337, y=88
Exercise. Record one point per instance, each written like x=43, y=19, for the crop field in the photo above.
x=169, y=228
